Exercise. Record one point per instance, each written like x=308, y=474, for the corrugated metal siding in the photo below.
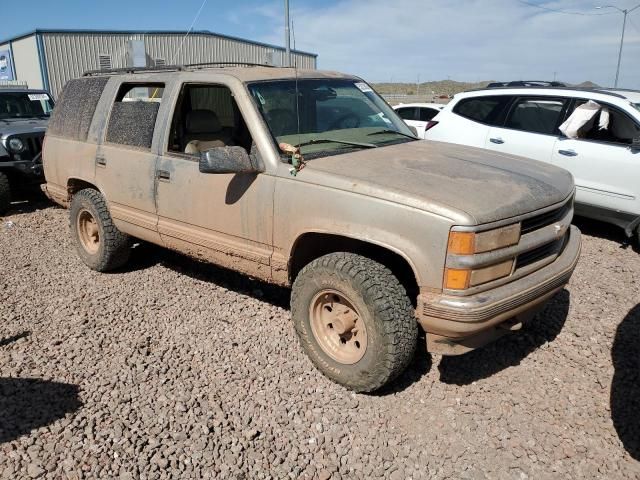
x=68, y=55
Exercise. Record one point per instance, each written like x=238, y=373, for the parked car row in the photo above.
x=312, y=181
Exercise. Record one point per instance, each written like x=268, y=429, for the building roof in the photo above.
x=148, y=32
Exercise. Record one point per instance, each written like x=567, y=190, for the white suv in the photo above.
x=418, y=115
x=603, y=155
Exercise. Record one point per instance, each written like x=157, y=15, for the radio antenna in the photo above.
x=195, y=19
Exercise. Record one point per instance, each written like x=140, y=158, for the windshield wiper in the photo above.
x=388, y=130
x=314, y=141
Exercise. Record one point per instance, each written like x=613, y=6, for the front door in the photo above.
x=606, y=167
x=226, y=219
x=125, y=164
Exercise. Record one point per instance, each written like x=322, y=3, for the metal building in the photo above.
x=48, y=58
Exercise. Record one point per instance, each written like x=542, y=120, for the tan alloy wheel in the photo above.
x=338, y=327
x=88, y=231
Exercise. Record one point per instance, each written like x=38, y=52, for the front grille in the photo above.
x=32, y=144
x=537, y=254
x=544, y=219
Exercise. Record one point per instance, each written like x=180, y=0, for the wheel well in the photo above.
x=74, y=185
x=310, y=246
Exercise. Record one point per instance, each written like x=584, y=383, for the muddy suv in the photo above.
x=23, y=120
x=309, y=179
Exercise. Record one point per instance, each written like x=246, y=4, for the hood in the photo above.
x=447, y=179
x=12, y=126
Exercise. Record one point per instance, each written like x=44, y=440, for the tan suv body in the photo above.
x=308, y=179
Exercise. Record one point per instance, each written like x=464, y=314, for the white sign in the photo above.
x=34, y=97
x=363, y=87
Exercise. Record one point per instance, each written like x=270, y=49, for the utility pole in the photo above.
x=287, y=36
x=624, y=12
x=418, y=86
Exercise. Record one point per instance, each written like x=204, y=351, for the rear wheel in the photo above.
x=99, y=243
x=5, y=193
x=354, y=320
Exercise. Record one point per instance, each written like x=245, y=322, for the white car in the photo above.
x=600, y=146
x=418, y=115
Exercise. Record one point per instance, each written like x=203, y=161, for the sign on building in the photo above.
x=6, y=71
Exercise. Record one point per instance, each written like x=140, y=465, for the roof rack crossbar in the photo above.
x=114, y=71
x=170, y=68
x=222, y=64
x=577, y=89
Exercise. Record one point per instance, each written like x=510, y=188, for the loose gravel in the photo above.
x=176, y=369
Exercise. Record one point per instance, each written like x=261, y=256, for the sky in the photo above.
x=397, y=40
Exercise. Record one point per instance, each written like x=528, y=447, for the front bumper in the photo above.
x=26, y=167
x=455, y=324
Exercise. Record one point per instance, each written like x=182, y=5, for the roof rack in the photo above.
x=601, y=91
x=526, y=83
x=170, y=68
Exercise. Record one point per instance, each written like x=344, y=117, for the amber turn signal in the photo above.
x=455, y=279
x=461, y=243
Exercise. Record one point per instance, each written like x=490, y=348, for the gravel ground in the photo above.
x=173, y=368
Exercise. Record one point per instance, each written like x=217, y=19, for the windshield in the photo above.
x=334, y=115
x=637, y=105
x=24, y=105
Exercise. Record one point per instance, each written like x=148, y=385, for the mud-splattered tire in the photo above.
x=99, y=243
x=5, y=193
x=369, y=293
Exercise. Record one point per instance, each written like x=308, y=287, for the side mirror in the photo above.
x=414, y=130
x=228, y=160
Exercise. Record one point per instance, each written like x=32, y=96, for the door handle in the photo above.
x=498, y=140
x=101, y=161
x=163, y=175
x=568, y=153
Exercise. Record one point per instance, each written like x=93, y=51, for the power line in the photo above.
x=555, y=10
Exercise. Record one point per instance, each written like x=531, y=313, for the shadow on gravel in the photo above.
x=27, y=404
x=509, y=350
x=29, y=201
x=9, y=340
x=625, y=387
x=238, y=282
x=606, y=231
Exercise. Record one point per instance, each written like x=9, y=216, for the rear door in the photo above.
x=468, y=122
x=530, y=128
x=125, y=162
x=605, y=166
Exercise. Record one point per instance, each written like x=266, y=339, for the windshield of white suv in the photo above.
x=24, y=105
x=334, y=115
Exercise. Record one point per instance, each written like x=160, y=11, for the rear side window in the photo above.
x=482, y=109
x=74, y=110
x=541, y=115
x=133, y=115
x=407, y=113
x=427, y=114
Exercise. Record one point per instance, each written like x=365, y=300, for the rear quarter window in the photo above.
x=73, y=113
x=133, y=115
x=482, y=109
x=407, y=113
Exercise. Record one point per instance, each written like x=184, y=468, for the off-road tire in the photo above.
x=384, y=306
x=114, y=246
x=5, y=193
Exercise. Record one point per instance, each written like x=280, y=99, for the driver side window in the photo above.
x=205, y=117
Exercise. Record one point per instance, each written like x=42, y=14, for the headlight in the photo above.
x=470, y=243
x=16, y=145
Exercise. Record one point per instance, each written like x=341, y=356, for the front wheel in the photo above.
x=99, y=243
x=354, y=320
x=5, y=193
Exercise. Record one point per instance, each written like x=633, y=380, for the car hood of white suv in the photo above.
x=446, y=179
